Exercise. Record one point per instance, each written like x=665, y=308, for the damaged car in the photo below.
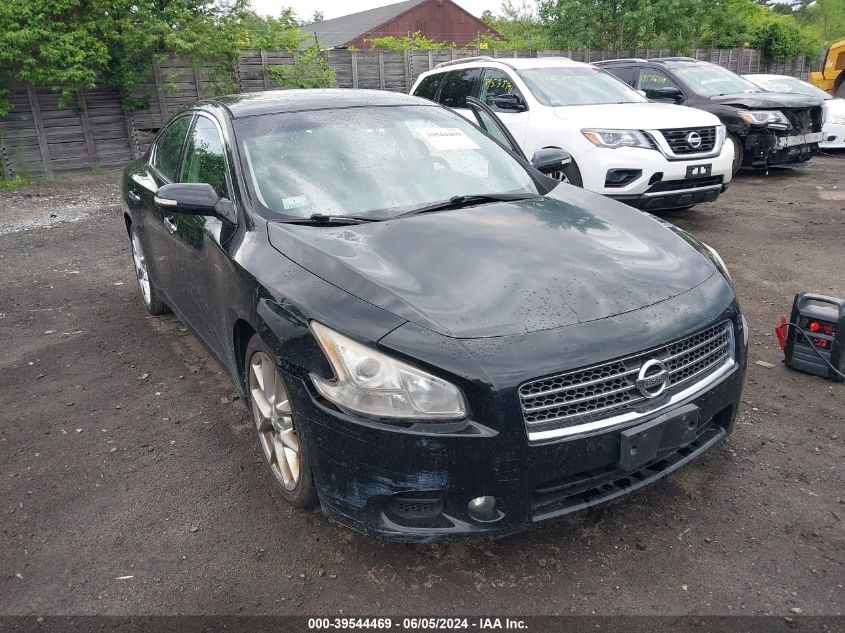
x=434, y=339
x=766, y=128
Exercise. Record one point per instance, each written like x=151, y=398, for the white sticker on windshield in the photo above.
x=294, y=202
x=446, y=138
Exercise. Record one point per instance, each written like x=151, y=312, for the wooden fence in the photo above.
x=40, y=136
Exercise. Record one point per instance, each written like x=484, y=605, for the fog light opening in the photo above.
x=484, y=509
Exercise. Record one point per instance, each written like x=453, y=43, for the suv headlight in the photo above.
x=372, y=383
x=772, y=118
x=718, y=261
x=617, y=138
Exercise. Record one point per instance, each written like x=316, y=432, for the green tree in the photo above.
x=414, y=42
x=71, y=44
x=518, y=22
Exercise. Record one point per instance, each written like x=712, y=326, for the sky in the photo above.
x=304, y=9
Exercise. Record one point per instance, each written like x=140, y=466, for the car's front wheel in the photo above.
x=570, y=174
x=276, y=426
x=149, y=295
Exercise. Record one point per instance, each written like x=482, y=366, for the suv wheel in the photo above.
x=569, y=174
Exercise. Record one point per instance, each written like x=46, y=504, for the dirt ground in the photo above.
x=130, y=484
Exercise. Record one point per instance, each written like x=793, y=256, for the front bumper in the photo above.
x=766, y=148
x=414, y=485
x=834, y=136
x=663, y=183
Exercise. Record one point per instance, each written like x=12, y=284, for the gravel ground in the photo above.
x=131, y=484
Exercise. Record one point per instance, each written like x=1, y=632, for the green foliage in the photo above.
x=824, y=18
x=416, y=42
x=71, y=44
x=782, y=38
x=310, y=70
x=14, y=183
x=519, y=25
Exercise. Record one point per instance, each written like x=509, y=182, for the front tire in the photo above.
x=276, y=426
x=569, y=174
x=152, y=303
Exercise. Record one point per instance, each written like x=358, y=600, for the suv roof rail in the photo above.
x=676, y=59
x=482, y=58
x=621, y=59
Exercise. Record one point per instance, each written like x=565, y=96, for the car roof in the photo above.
x=514, y=63
x=280, y=101
x=769, y=76
x=652, y=60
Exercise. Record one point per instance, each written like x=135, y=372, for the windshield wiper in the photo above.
x=456, y=202
x=320, y=219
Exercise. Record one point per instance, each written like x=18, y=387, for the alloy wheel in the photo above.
x=271, y=411
x=559, y=175
x=141, y=268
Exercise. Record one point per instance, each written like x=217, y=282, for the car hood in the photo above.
x=638, y=116
x=767, y=100
x=504, y=268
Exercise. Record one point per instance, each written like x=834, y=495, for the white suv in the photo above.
x=649, y=155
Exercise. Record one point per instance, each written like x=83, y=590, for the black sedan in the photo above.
x=435, y=340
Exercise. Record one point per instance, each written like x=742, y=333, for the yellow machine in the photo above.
x=831, y=78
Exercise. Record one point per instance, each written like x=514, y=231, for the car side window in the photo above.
x=205, y=157
x=492, y=129
x=651, y=80
x=429, y=86
x=168, y=147
x=624, y=73
x=495, y=83
x=458, y=85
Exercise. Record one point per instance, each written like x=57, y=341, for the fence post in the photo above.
x=354, y=59
x=265, y=73
x=381, y=82
x=162, y=101
x=86, y=130
x=39, y=130
x=406, y=68
x=197, y=80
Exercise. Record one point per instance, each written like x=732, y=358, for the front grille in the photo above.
x=687, y=183
x=609, y=389
x=801, y=121
x=679, y=140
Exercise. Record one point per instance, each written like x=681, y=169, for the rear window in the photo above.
x=458, y=85
x=428, y=87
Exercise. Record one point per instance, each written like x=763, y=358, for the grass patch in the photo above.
x=14, y=183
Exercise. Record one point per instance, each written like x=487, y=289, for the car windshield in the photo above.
x=789, y=84
x=371, y=162
x=577, y=85
x=709, y=80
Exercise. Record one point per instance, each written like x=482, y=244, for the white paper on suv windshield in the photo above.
x=444, y=139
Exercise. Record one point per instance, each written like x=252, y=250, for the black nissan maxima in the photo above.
x=434, y=339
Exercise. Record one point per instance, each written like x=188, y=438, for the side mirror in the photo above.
x=509, y=101
x=194, y=198
x=550, y=160
x=670, y=93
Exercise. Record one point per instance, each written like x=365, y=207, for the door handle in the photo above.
x=134, y=197
x=170, y=224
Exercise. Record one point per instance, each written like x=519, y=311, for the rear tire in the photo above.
x=840, y=91
x=739, y=153
x=569, y=174
x=276, y=426
x=149, y=296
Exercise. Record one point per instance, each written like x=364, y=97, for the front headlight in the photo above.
x=372, y=383
x=617, y=138
x=771, y=118
x=718, y=261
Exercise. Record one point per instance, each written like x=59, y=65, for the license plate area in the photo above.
x=799, y=139
x=643, y=443
x=699, y=171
